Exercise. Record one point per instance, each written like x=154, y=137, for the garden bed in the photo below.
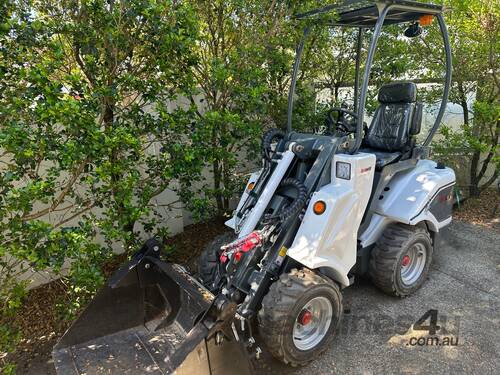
x=483, y=211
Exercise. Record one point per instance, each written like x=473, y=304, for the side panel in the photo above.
x=442, y=204
x=423, y=193
x=330, y=240
x=409, y=193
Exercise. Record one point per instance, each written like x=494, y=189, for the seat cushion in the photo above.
x=389, y=129
x=383, y=157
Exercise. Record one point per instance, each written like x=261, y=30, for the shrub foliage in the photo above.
x=106, y=104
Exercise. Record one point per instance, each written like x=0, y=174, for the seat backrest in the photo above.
x=396, y=120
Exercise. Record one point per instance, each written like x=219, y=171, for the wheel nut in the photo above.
x=305, y=317
x=405, y=261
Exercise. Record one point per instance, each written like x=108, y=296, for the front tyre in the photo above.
x=208, y=261
x=300, y=316
x=401, y=259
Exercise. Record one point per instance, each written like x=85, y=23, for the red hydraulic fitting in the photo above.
x=241, y=246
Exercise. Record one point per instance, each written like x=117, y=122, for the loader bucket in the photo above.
x=151, y=318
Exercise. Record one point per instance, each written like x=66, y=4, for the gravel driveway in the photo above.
x=463, y=286
x=377, y=335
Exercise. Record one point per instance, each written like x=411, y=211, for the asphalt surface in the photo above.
x=378, y=335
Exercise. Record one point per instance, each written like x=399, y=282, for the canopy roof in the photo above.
x=364, y=13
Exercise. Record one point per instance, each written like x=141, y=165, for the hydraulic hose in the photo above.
x=267, y=140
x=296, y=206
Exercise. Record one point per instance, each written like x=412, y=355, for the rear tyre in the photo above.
x=401, y=259
x=208, y=260
x=300, y=316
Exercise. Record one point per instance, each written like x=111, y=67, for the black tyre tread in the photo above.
x=207, y=261
x=276, y=307
x=386, y=254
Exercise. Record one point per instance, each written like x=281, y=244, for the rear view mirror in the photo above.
x=413, y=30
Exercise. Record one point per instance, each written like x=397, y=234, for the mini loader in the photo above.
x=322, y=209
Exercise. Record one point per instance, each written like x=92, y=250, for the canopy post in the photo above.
x=447, y=83
x=296, y=66
x=366, y=78
x=359, y=44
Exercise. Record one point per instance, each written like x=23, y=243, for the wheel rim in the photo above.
x=312, y=323
x=413, y=263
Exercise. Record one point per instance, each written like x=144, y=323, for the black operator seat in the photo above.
x=395, y=125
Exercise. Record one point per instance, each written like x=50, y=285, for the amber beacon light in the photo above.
x=319, y=207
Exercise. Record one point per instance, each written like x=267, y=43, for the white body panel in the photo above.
x=231, y=223
x=330, y=240
x=408, y=199
x=265, y=197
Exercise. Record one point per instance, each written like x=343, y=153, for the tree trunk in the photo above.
x=473, y=181
x=336, y=92
x=227, y=182
x=217, y=186
x=474, y=190
x=487, y=132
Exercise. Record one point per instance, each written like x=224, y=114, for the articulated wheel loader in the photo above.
x=323, y=209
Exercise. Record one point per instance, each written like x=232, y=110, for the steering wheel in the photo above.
x=342, y=124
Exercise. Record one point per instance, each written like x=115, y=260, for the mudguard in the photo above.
x=329, y=241
x=410, y=193
x=420, y=194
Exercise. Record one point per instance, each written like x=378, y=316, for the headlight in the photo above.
x=343, y=170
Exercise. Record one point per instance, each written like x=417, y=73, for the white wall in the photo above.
x=177, y=218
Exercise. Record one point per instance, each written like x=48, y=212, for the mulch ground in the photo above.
x=185, y=247
x=41, y=325
x=483, y=211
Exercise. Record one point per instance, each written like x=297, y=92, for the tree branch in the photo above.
x=487, y=184
x=61, y=196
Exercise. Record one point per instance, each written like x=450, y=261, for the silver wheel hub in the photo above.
x=413, y=264
x=312, y=323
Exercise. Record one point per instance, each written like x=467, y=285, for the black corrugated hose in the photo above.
x=297, y=204
x=268, y=138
